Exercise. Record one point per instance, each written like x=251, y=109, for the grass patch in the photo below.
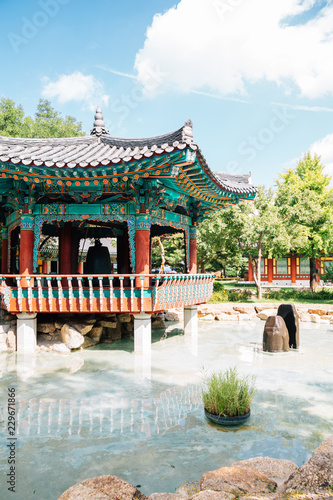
x=226, y=292
x=228, y=394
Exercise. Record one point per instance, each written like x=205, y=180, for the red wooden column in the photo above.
x=142, y=247
x=250, y=277
x=193, y=250
x=293, y=270
x=270, y=270
x=4, y=251
x=44, y=267
x=65, y=248
x=26, y=246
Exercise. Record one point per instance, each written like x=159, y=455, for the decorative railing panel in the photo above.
x=95, y=294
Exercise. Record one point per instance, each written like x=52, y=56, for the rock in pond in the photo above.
x=103, y=488
x=276, y=336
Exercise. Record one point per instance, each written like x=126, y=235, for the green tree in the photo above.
x=215, y=253
x=251, y=228
x=13, y=122
x=305, y=201
x=47, y=121
x=173, y=248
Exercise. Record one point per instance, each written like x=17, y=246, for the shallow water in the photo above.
x=108, y=411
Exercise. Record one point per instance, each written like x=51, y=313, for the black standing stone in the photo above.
x=289, y=314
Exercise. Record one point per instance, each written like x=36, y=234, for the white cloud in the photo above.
x=225, y=45
x=76, y=87
x=324, y=148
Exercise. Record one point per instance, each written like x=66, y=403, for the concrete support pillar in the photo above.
x=4, y=251
x=142, y=333
x=142, y=247
x=26, y=336
x=193, y=250
x=191, y=320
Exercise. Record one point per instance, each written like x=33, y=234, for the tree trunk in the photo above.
x=256, y=275
x=313, y=274
x=202, y=265
x=162, y=256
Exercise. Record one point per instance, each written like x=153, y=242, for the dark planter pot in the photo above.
x=227, y=421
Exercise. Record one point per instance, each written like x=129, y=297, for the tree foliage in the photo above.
x=174, y=251
x=305, y=202
x=248, y=229
x=47, y=121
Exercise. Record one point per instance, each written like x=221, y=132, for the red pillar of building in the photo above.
x=4, y=251
x=44, y=269
x=270, y=270
x=65, y=248
x=250, y=277
x=26, y=246
x=293, y=270
x=193, y=250
x=142, y=247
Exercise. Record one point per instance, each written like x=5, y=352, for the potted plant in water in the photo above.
x=227, y=397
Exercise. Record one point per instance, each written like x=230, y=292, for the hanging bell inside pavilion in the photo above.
x=98, y=259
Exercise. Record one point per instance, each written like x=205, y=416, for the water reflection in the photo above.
x=52, y=417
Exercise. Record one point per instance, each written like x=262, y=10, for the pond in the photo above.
x=109, y=411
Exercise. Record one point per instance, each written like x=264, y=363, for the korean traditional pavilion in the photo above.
x=99, y=186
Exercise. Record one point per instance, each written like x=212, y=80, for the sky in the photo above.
x=254, y=76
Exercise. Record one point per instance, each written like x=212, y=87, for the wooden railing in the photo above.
x=102, y=293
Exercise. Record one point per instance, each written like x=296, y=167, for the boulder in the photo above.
x=171, y=316
x=96, y=333
x=262, y=307
x=11, y=339
x=214, y=495
x=188, y=488
x=157, y=323
x=317, y=310
x=276, y=336
x=88, y=342
x=166, y=496
x=46, y=327
x=108, y=323
x=60, y=347
x=316, y=475
x=103, y=488
x=81, y=326
x=245, y=310
x=207, y=317
x=71, y=337
x=266, y=313
x=112, y=333
x=124, y=317
x=289, y=314
x=277, y=469
x=236, y=480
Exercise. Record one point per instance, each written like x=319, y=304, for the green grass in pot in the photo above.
x=228, y=394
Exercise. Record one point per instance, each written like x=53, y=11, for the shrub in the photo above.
x=228, y=394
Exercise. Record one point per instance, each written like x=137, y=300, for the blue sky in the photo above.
x=254, y=76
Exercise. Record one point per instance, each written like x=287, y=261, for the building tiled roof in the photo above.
x=100, y=149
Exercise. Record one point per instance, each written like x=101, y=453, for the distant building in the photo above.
x=288, y=270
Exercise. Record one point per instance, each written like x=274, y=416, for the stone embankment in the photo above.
x=321, y=313
x=66, y=332
x=260, y=478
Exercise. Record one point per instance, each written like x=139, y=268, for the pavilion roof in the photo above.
x=100, y=149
